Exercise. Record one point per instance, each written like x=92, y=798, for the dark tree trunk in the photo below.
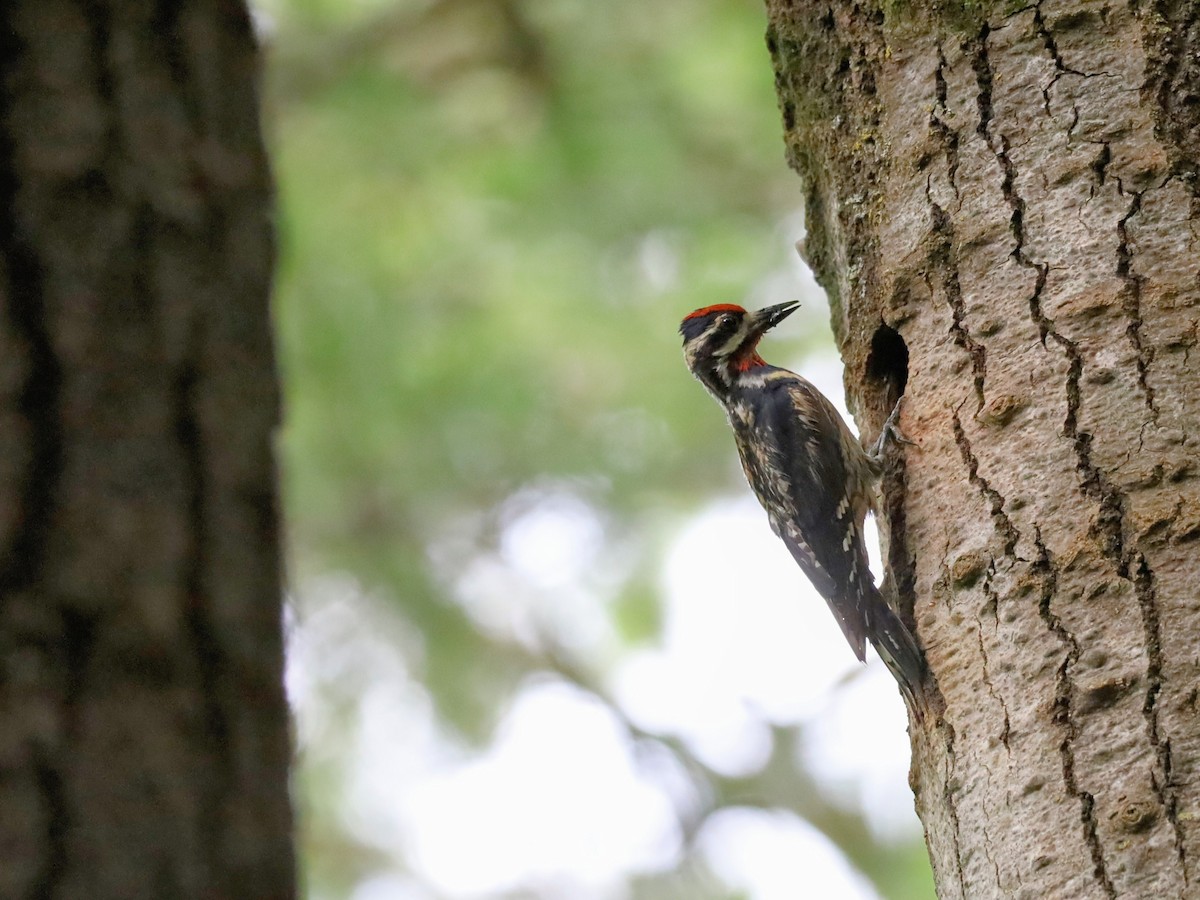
x=143, y=726
x=1003, y=205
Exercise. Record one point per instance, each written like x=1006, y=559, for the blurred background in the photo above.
x=542, y=641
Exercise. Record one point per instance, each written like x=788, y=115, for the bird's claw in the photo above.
x=891, y=429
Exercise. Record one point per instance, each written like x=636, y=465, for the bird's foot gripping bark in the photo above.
x=891, y=430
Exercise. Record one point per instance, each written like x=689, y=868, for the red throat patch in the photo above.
x=750, y=361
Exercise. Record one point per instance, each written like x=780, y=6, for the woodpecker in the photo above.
x=811, y=475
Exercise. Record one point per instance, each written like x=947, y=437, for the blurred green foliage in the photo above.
x=493, y=217
x=493, y=214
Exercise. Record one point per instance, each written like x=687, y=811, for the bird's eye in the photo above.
x=725, y=319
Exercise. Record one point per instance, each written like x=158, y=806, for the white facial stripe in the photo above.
x=737, y=340
x=702, y=338
x=692, y=348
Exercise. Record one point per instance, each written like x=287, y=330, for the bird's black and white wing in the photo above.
x=791, y=445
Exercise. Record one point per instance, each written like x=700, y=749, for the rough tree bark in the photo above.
x=1003, y=205
x=143, y=726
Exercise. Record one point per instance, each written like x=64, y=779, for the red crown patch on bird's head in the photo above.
x=695, y=323
x=719, y=307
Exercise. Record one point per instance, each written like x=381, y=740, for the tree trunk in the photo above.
x=1003, y=206
x=143, y=726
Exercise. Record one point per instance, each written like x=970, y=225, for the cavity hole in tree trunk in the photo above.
x=887, y=363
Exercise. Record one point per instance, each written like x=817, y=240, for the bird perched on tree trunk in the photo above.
x=811, y=475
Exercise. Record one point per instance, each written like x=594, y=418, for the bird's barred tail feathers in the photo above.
x=896, y=647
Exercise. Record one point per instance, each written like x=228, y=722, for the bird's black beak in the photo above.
x=767, y=318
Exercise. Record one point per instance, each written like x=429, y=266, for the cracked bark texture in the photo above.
x=143, y=726
x=1003, y=206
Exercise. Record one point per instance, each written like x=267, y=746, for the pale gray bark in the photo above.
x=143, y=726
x=1003, y=204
